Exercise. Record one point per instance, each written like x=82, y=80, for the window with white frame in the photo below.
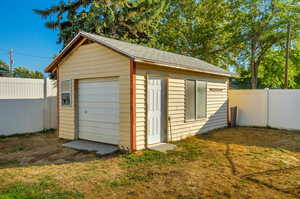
x=195, y=99
x=66, y=92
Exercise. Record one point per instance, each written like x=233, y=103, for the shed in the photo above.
x=133, y=96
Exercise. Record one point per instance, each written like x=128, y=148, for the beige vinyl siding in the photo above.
x=179, y=128
x=216, y=108
x=140, y=111
x=96, y=61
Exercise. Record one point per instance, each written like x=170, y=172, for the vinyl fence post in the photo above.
x=267, y=106
x=45, y=104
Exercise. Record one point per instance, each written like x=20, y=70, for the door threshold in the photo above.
x=162, y=147
x=159, y=143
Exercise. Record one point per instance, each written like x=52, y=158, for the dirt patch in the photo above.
x=39, y=149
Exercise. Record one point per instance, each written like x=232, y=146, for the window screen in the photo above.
x=201, y=99
x=190, y=99
x=66, y=88
x=195, y=99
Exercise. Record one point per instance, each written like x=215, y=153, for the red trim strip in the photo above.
x=57, y=98
x=228, y=108
x=132, y=105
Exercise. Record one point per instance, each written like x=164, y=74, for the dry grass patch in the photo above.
x=258, y=137
x=227, y=163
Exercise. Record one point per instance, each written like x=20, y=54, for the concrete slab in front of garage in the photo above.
x=85, y=145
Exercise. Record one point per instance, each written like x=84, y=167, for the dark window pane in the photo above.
x=66, y=90
x=190, y=99
x=201, y=99
x=65, y=99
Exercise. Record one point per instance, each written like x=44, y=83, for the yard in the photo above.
x=227, y=163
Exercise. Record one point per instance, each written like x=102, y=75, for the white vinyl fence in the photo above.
x=275, y=108
x=27, y=105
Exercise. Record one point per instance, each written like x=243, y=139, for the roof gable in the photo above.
x=143, y=54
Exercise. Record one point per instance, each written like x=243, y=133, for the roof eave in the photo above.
x=184, y=68
x=54, y=63
x=79, y=36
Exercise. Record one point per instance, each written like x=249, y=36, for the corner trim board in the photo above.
x=132, y=105
x=57, y=98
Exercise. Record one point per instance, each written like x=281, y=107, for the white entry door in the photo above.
x=98, y=110
x=155, y=110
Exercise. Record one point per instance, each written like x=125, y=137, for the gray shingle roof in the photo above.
x=144, y=54
x=158, y=56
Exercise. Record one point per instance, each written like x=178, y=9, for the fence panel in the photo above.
x=21, y=88
x=275, y=108
x=27, y=105
x=284, y=109
x=21, y=116
x=251, y=105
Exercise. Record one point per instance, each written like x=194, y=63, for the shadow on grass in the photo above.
x=280, y=140
x=254, y=136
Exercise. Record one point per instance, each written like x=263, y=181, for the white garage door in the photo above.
x=98, y=109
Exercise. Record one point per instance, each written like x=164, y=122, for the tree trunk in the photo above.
x=253, y=67
x=254, y=75
x=286, y=68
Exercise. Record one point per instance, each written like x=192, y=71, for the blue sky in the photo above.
x=24, y=32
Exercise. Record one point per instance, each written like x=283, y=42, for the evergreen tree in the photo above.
x=131, y=20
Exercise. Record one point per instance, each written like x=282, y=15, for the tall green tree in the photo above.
x=133, y=20
x=271, y=71
x=199, y=29
x=260, y=26
x=247, y=35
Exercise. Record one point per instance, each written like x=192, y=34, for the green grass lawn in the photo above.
x=227, y=163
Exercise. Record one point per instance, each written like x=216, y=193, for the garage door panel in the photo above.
x=103, y=96
x=105, y=139
x=109, y=139
x=95, y=94
x=103, y=99
x=96, y=108
x=98, y=117
x=96, y=84
x=98, y=111
x=96, y=124
x=99, y=105
x=108, y=132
